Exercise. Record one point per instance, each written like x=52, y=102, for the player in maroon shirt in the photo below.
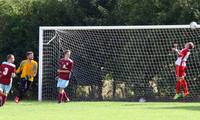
x=64, y=72
x=7, y=72
x=181, y=67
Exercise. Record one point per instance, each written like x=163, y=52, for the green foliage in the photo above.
x=20, y=19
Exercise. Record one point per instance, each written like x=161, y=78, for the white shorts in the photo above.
x=62, y=83
x=5, y=88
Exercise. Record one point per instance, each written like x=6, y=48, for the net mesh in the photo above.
x=120, y=64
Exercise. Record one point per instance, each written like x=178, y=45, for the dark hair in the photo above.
x=28, y=53
x=67, y=51
x=9, y=56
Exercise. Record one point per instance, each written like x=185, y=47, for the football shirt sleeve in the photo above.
x=20, y=68
x=183, y=52
x=70, y=66
x=14, y=72
x=35, y=66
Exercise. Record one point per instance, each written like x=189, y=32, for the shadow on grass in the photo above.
x=159, y=106
x=193, y=108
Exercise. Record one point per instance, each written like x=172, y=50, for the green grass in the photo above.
x=100, y=111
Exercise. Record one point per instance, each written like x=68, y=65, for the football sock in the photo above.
x=60, y=97
x=178, y=86
x=185, y=86
x=4, y=98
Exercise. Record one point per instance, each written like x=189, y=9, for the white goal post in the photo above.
x=52, y=37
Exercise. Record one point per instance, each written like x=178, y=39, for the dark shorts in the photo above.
x=25, y=84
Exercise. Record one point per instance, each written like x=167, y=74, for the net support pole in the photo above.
x=40, y=64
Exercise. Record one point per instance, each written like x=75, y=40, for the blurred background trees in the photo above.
x=20, y=19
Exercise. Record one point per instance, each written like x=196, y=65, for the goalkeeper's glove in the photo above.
x=28, y=77
x=13, y=75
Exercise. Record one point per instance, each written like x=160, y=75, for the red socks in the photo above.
x=181, y=83
x=3, y=99
x=185, y=86
x=178, y=86
x=60, y=97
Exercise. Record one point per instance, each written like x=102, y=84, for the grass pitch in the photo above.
x=100, y=111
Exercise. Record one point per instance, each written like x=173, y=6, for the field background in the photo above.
x=100, y=111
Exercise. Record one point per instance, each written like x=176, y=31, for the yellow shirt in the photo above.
x=28, y=68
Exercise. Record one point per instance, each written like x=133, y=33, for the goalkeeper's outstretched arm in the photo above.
x=176, y=49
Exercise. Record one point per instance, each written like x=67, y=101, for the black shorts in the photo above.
x=25, y=84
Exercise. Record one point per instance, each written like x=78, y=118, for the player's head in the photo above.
x=189, y=45
x=30, y=55
x=11, y=58
x=67, y=53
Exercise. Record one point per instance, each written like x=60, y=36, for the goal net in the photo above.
x=118, y=62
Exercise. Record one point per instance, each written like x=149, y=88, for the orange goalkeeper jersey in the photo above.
x=28, y=68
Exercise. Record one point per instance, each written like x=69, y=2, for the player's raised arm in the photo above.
x=175, y=48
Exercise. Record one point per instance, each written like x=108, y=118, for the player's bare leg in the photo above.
x=65, y=96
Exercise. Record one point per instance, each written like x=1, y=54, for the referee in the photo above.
x=28, y=70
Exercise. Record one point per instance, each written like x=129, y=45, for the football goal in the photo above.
x=117, y=62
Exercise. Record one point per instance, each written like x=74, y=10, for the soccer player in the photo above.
x=64, y=72
x=28, y=70
x=7, y=72
x=180, y=69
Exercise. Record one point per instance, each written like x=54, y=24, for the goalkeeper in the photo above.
x=28, y=70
